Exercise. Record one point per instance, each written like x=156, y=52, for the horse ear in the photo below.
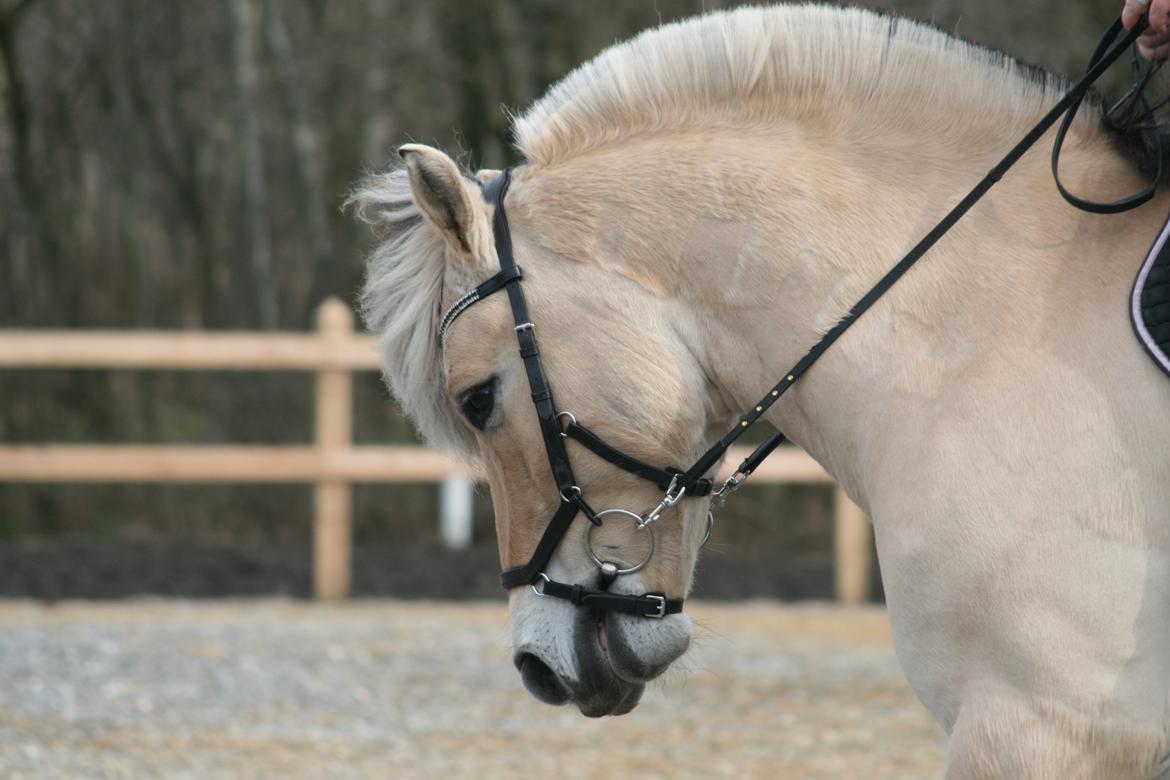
x=445, y=198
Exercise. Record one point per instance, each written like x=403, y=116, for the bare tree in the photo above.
x=307, y=153
x=16, y=103
x=374, y=85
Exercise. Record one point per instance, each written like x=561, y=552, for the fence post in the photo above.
x=851, y=535
x=334, y=431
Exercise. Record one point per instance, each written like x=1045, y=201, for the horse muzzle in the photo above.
x=600, y=661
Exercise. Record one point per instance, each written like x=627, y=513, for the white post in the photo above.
x=455, y=500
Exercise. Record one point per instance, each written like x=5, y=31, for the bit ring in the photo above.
x=638, y=522
x=710, y=528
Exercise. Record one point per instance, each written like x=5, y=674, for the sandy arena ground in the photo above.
x=385, y=689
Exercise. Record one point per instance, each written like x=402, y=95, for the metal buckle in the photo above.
x=729, y=486
x=710, y=528
x=572, y=421
x=525, y=326
x=670, y=499
x=539, y=577
x=661, y=606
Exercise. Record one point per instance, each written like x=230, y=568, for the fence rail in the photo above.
x=332, y=463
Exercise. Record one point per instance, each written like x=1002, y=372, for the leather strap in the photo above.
x=1094, y=207
x=542, y=398
x=759, y=454
x=647, y=605
x=660, y=477
x=492, y=283
x=482, y=290
x=527, y=574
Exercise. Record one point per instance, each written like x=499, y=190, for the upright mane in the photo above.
x=732, y=69
x=757, y=65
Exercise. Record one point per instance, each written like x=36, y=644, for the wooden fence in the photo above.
x=332, y=462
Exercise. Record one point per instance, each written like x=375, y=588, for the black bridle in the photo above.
x=694, y=482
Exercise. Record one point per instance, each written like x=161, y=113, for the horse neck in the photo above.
x=768, y=238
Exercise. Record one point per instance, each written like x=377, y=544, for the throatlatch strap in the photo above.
x=660, y=477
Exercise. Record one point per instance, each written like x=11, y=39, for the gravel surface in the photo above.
x=390, y=689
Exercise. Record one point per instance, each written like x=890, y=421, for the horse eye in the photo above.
x=478, y=402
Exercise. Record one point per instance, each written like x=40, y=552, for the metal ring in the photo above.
x=710, y=528
x=572, y=421
x=572, y=490
x=638, y=522
x=539, y=577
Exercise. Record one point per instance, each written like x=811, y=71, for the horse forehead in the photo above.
x=476, y=340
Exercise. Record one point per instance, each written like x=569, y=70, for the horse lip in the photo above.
x=599, y=691
x=628, y=665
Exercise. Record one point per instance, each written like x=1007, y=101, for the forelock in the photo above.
x=400, y=303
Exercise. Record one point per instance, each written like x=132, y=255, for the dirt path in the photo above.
x=423, y=690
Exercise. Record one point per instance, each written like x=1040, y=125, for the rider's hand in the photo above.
x=1154, y=43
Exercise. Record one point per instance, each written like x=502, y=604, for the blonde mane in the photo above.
x=759, y=65
x=733, y=69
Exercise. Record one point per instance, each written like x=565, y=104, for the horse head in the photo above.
x=616, y=357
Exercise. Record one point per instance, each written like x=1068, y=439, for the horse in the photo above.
x=694, y=208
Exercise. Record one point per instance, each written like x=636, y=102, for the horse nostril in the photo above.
x=541, y=681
